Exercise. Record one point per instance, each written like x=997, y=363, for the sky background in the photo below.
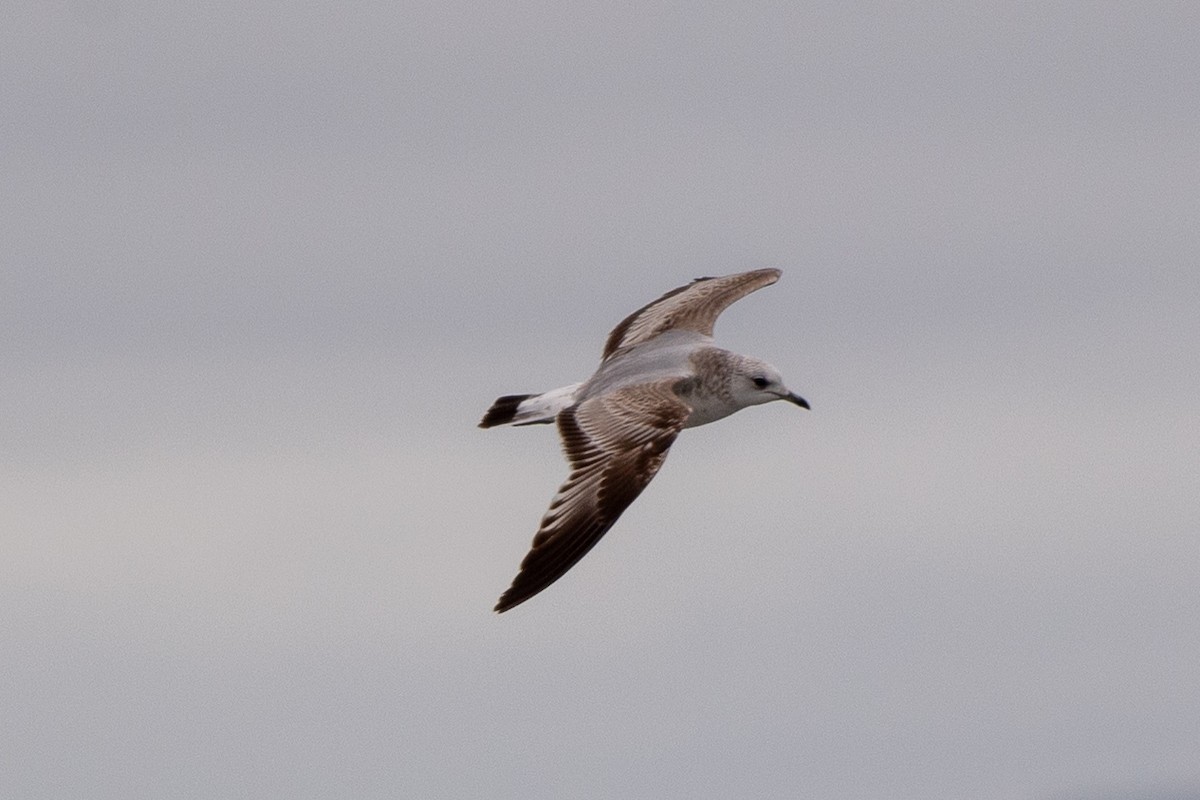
x=265, y=265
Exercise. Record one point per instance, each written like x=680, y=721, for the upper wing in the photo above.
x=694, y=307
x=615, y=444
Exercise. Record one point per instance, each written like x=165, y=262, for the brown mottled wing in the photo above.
x=694, y=307
x=615, y=444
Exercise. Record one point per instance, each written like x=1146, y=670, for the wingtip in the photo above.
x=507, y=601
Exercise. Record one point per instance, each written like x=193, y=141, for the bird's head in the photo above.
x=756, y=382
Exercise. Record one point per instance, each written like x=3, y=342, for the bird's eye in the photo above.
x=760, y=381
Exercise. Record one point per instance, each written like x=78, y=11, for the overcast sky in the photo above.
x=265, y=265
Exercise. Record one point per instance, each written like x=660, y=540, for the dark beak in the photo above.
x=797, y=399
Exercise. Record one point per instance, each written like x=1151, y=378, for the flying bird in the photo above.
x=660, y=372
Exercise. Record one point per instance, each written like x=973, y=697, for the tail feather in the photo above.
x=529, y=409
x=503, y=410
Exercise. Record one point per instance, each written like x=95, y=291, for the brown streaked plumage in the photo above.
x=694, y=307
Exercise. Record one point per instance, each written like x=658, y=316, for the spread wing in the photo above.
x=694, y=307
x=615, y=444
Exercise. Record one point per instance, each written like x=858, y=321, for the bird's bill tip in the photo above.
x=797, y=399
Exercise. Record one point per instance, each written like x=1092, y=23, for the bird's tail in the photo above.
x=529, y=409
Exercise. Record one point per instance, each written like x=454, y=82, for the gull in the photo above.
x=660, y=373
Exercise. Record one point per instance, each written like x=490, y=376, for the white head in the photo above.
x=755, y=382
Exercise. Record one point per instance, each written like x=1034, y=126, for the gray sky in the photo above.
x=265, y=265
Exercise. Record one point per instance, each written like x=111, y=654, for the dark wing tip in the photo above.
x=524, y=587
x=544, y=565
x=509, y=600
